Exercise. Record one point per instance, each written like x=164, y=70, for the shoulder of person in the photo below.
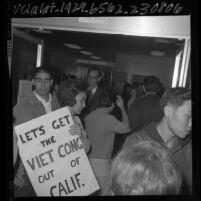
x=136, y=137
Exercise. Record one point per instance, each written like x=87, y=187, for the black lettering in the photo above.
x=22, y=140
x=42, y=160
x=61, y=122
x=31, y=164
x=67, y=145
x=27, y=136
x=38, y=162
x=74, y=145
x=80, y=146
x=42, y=130
x=52, y=139
x=66, y=117
x=34, y=132
x=51, y=189
x=68, y=188
x=77, y=179
x=59, y=151
x=61, y=188
x=50, y=154
x=55, y=126
x=73, y=183
x=40, y=180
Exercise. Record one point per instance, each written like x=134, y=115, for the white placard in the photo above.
x=55, y=161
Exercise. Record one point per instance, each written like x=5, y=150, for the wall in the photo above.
x=24, y=53
x=157, y=26
x=146, y=65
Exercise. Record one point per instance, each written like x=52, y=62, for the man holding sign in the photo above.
x=38, y=103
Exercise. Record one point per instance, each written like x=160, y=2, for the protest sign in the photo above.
x=55, y=161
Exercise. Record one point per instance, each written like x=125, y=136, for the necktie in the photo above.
x=90, y=96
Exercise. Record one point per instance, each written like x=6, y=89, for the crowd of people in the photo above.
x=155, y=156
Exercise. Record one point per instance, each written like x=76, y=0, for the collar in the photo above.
x=94, y=90
x=43, y=100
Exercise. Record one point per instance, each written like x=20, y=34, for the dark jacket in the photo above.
x=93, y=104
x=143, y=111
x=181, y=151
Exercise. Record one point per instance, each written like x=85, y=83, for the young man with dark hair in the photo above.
x=146, y=109
x=101, y=127
x=172, y=131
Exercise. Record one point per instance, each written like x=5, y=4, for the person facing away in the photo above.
x=72, y=93
x=101, y=127
x=145, y=168
x=39, y=102
x=172, y=131
x=146, y=109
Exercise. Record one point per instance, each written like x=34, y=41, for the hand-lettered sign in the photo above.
x=55, y=161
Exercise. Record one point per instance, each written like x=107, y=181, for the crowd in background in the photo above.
x=138, y=141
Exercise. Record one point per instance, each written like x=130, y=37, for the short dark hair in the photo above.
x=175, y=96
x=68, y=90
x=106, y=99
x=42, y=69
x=145, y=168
x=152, y=83
x=95, y=69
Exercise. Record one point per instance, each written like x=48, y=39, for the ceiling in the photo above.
x=106, y=46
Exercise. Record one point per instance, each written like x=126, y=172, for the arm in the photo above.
x=77, y=129
x=125, y=118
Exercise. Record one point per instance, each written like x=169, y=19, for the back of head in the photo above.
x=68, y=90
x=106, y=99
x=175, y=96
x=152, y=84
x=144, y=169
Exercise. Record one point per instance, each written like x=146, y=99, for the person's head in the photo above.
x=127, y=88
x=152, y=84
x=133, y=92
x=72, y=93
x=176, y=105
x=42, y=81
x=145, y=168
x=94, y=77
x=106, y=100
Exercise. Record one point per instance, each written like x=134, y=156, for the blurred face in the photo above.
x=179, y=119
x=80, y=102
x=42, y=83
x=93, y=78
x=133, y=92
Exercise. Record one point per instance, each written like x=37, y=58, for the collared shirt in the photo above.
x=94, y=90
x=46, y=104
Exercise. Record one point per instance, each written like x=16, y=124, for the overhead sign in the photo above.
x=55, y=161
